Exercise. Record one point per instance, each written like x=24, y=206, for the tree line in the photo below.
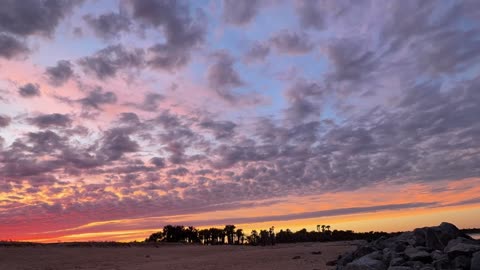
x=232, y=235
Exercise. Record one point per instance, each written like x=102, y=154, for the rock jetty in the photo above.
x=443, y=247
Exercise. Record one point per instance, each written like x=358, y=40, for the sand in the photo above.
x=174, y=257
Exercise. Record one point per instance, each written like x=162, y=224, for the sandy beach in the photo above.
x=282, y=256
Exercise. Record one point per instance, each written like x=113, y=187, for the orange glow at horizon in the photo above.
x=381, y=220
x=395, y=221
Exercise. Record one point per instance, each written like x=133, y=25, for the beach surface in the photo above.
x=282, y=256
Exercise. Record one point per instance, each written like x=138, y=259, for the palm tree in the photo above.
x=191, y=234
x=216, y=235
x=253, y=238
x=318, y=228
x=204, y=236
x=221, y=235
x=323, y=228
x=239, y=234
x=230, y=232
x=264, y=237
x=271, y=233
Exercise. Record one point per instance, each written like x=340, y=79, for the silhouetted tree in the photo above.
x=285, y=236
x=253, y=239
x=155, y=237
x=214, y=236
x=174, y=233
x=191, y=235
x=271, y=234
x=239, y=234
x=264, y=237
x=217, y=236
x=204, y=236
x=229, y=232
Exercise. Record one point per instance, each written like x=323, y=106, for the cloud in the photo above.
x=221, y=129
x=108, y=61
x=465, y=202
x=117, y=142
x=182, y=31
x=168, y=120
x=29, y=90
x=304, y=99
x=59, y=74
x=30, y=17
x=318, y=214
x=291, y=42
x=51, y=120
x=150, y=102
x=158, y=162
x=384, y=105
x=257, y=52
x=310, y=14
x=97, y=97
x=165, y=56
x=129, y=118
x=109, y=25
x=240, y=12
x=45, y=141
x=364, y=61
x=33, y=16
x=222, y=77
x=11, y=47
x=351, y=61
x=5, y=121
x=180, y=171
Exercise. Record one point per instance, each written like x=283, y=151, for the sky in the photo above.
x=120, y=117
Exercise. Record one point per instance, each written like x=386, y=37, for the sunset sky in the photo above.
x=119, y=117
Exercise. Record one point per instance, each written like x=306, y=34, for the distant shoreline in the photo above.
x=473, y=232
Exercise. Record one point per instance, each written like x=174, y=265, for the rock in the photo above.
x=407, y=238
x=397, y=261
x=316, y=252
x=437, y=255
x=417, y=254
x=461, y=262
x=419, y=236
x=475, y=261
x=362, y=251
x=400, y=246
x=437, y=238
x=417, y=265
x=387, y=255
x=376, y=255
x=450, y=232
x=366, y=263
x=296, y=257
x=461, y=246
x=432, y=241
x=442, y=247
x=346, y=258
x=381, y=242
x=442, y=264
x=400, y=268
x=450, y=229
